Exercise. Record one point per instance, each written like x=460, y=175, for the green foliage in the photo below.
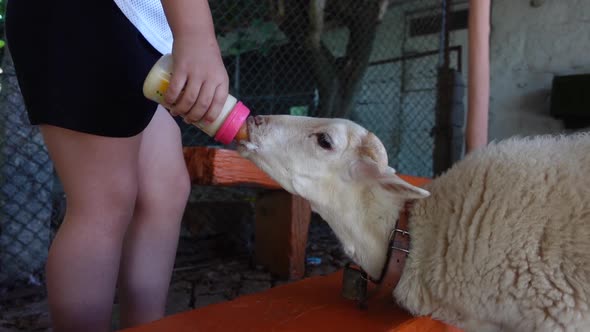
x=2, y=10
x=259, y=36
x=299, y=110
x=244, y=26
x=230, y=15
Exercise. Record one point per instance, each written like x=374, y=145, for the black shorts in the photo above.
x=80, y=65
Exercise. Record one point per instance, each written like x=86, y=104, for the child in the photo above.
x=80, y=67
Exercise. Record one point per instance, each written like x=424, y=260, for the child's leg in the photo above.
x=152, y=238
x=99, y=175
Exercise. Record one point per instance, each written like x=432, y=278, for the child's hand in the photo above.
x=199, y=84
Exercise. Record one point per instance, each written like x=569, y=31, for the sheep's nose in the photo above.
x=259, y=120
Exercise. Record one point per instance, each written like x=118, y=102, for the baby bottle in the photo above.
x=229, y=125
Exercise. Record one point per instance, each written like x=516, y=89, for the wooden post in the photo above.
x=282, y=224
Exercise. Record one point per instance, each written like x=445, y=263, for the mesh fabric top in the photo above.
x=149, y=18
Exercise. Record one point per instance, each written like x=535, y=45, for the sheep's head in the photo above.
x=342, y=170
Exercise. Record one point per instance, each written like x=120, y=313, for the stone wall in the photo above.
x=531, y=42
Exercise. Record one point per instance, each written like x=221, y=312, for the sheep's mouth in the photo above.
x=245, y=147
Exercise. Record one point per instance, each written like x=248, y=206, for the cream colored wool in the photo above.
x=504, y=239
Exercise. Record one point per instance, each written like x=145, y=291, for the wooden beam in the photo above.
x=223, y=167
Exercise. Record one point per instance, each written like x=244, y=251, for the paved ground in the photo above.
x=209, y=269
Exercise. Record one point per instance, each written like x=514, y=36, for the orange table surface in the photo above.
x=312, y=304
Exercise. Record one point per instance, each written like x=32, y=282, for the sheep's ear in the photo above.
x=369, y=170
x=371, y=165
x=364, y=168
x=390, y=181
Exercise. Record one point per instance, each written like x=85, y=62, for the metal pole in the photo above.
x=478, y=91
x=442, y=131
x=237, y=77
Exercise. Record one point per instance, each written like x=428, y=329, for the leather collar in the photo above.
x=355, y=279
x=397, y=250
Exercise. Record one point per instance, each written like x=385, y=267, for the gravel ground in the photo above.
x=208, y=269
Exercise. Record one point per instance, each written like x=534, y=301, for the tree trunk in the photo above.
x=339, y=79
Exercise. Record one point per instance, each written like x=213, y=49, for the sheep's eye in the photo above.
x=324, y=141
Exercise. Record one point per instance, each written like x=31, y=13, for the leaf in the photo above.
x=233, y=50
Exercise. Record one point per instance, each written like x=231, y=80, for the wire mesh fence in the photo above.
x=26, y=174
x=373, y=64
x=373, y=61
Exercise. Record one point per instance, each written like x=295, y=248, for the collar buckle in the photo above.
x=355, y=279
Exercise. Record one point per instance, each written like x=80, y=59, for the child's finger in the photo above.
x=217, y=103
x=174, y=91
x=202, y=103
x=188, y=97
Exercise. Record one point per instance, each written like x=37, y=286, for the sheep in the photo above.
x=499, y=242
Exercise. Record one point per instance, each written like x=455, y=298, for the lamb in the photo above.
x=500, y=242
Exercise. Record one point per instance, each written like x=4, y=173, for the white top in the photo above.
x=149, y=18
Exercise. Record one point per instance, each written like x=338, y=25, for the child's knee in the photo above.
x=114, y=207
x=169, y=190
x=109, y=199
x=178, y=187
